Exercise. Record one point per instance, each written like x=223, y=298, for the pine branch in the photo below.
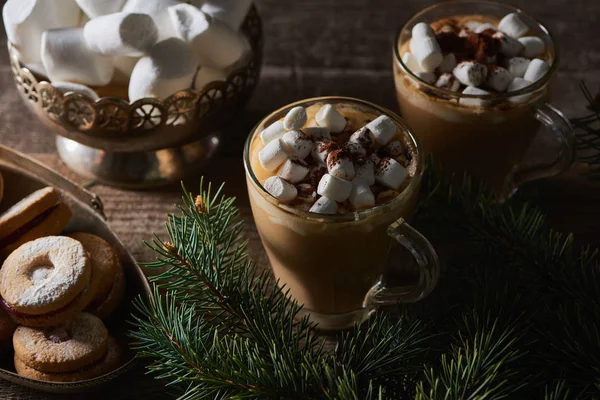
x=588, y=133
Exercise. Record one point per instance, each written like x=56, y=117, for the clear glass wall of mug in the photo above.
x=489, y=141
x=333, y=264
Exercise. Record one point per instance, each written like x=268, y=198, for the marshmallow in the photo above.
x=427, y=77
x=324, y=206
x=448, y=81
x=422, y=30
x=232, y=12
x=394, y=149
x=536, y=70
x=427, y=52
x=206, y=75
x=293, y=171
x=121, y=34
x=66, y=87
x=298, y=144
x=273, y=155
x=390, y=173
x=36, y=68
x=26, y=20
x=67, y=58
x=509, y=46
x=334, y=188
x=472, y=25
x=474, y=102
x=317, y=132
x=363, y=137
x=448, y=63
x=383, y=129
x=410, y=61
x=484, y=27
x=123, y=68
x=168, y=68
x=512, y=25
x=272, y=132
x=339, y=164
x=355, y=149
x=518, y=84
x=517, y=66
x=216, y=44
x=306, y=193
x=280, y=189
x=158, y=10
x=295, y=118
x=498, y=78
x=321, y=150
x=330, y=117
x=361, y=195
x=533, y=46
x=365, y=169
x=97, y=8
x=470, y=73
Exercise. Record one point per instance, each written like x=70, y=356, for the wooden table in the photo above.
x=312, y=48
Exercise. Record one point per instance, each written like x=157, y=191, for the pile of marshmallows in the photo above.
x=435, y=65
x=295, y=151
x=159, y=47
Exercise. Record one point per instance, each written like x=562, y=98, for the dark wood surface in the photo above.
x=312, y=48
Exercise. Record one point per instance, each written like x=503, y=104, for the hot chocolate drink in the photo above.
x=473, y=87
x=326, y=179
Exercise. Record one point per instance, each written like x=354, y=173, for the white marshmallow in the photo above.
x=363, y=137
x=518, y=84
x=169, y=67
x=427, y=77
x=422, y=30
x=272, y=132
x=280, y=189
x=66, y=58
x=206, y=75
x=512, y=25
x=390, y=173
x=536, y=70
x=427, y=52
x=383, y=129
x=365, y=170
x=298, y=143
x=395, y=149
x=339, y=164
x=317, y=132
x=472, y=25
x=498, y=79
x=533, y=46
x=355, y=149
x=36, y=68
x=410, y=61
x=321, y=150
x=470, y=73
x=484, y=27
x=216, y=44
x=330, y=117
x=361, y=195
x=448, y=81
x=295, y=118
x=123, y=68
x=509, y=46
x=293, y=171
x=273, y=155
x=121, y=34
x=26, y=20
x=517, y=66
x=448, y=63
x=232, y=12
x=474, y=102
x=158, y=10
x=66, y=87
x=334, y=188
x=324, y=206
x=97, y=8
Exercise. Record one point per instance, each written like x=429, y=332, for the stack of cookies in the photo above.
x=55, y=291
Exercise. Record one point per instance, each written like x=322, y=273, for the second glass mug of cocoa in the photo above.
x=333, y=264
x=491, y=142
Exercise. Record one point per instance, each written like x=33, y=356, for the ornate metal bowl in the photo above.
x=113, y=125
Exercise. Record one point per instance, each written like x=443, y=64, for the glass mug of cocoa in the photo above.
x=473, y=79
x=331, y=182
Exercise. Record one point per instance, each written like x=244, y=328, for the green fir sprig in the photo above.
x=587, y=130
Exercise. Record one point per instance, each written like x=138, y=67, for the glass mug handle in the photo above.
x=427, y=261
x=560, y=128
